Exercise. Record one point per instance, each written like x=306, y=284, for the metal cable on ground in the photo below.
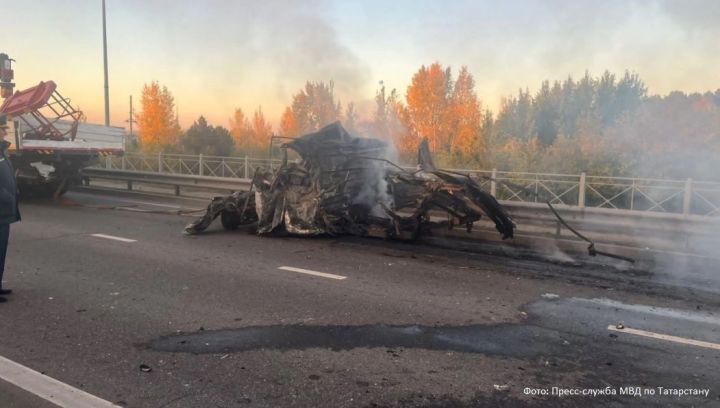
x=592, y=251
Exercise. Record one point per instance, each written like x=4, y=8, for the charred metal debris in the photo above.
x=344, y=185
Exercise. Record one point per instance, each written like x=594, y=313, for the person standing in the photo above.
x=9, y=211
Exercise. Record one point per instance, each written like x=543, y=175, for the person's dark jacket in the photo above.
x=9, y=211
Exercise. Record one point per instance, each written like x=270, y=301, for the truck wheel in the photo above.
x=230, y=220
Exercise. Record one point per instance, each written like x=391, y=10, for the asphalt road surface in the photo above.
x=114, y=306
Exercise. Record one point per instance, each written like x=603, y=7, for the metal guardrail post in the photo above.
x=108, y=162
x=581, y=191
x=245, y=173
x=201, y=165
x=687, y=196
x=122, y=163
x=160, y=162
x=493, y=183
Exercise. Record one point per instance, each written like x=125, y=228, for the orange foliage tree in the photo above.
x=465, y=118
x=427, y=99
x=250, y=135
x=262, y=131
x=446, y=112
x=158, y=125
x=288, y=124
x=312, y=108
x=240, y=130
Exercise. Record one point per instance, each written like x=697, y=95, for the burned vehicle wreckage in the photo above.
x=343, y=185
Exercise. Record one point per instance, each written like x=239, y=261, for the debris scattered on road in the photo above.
x=549, y=296
x=145, y=368
x=344, y=185
x=503, y=387
x=619, y=326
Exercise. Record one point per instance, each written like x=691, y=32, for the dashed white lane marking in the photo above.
x=314, y=273
x=114, y=238
x=48, y=388
x=666, y=337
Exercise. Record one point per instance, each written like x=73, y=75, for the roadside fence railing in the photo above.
x=576, y=190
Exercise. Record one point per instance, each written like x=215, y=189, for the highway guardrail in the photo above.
x=693, y=234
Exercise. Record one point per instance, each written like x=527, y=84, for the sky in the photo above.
x=216, y=55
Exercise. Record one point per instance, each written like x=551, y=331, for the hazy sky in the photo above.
x=216, y=55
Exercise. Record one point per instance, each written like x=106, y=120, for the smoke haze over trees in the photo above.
x=603, y=125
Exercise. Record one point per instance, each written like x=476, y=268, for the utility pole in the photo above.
x=107, y=86
x=131, y=120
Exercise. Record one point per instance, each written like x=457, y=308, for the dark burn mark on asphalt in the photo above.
x=506, y=340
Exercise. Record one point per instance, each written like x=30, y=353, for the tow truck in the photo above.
x=51, y=140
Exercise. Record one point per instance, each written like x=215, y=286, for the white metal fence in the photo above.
x=197, y=165
x=581, y=190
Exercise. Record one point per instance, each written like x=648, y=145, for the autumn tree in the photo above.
x=203, y=138
x=261, y=129
x=387, y=122
x=464, y=119
x=240, y=130
x=427, y=98
x=314, y=107
x=446, y=112
x=158, y=126
x=250, y=134
x=288, y=123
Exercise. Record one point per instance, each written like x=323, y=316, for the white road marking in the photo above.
x=141, y=202
x=48, y=388
x=314, y=273
x=146, y=203
x=134, y=193
x=666, y=337
x=114, y=238
x=690, y=315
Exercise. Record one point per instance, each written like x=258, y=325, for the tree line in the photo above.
x=605, y=125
